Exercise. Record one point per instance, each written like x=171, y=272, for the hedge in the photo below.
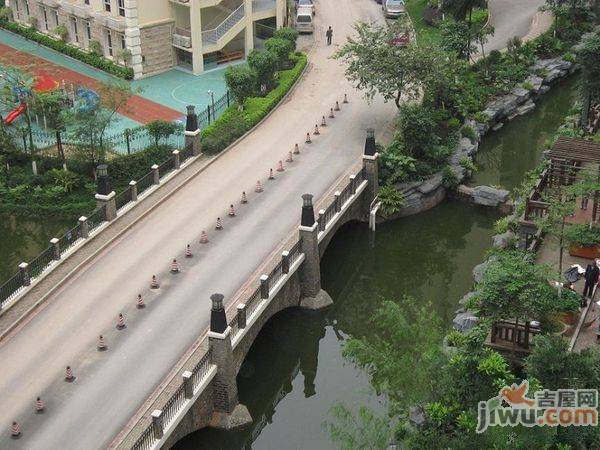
x=233, y=123
x=92, y=59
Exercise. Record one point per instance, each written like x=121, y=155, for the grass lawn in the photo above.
x=425, y=33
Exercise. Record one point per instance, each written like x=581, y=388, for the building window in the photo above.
x=121, y=8
x=87, y=2
x=55, y=11
x=75, y=30
x=123, y=42
x=45, y=15
x=107, y=5
x=88, y=30
x=109, y=44
x=27, y=7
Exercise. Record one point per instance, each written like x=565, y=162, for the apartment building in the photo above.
x=196, y=35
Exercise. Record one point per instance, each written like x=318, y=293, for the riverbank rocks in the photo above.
x=467, y=147
x=503, y=240
x=468, y=296
x=554, y=69
x=464, y=321
x=489, y=196
x=521, y=94
x=535, y=82
x=479, y=269
x=527, y=107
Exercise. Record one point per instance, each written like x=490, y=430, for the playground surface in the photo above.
x=162, y=96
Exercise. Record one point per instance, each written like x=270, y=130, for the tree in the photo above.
x=514, y=287
x=456, y=38
x=358, y=431
x=17, y=89
x=481, y=35
x=264, y=65
x=281, y=48
x=378, y=66
x=589, y=58
x=416, y=125
x=52, y=106
x=240, y=81
x=161, y=129
x=287, y=33
x=124, y=56
x=462, y=10
x=89, y=125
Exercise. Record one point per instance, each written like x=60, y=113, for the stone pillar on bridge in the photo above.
x=192, y=131
x=105, y=197
x=228, y=412
x=312, y=296
x=371, y=168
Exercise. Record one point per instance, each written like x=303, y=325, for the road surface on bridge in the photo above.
x=112, y=385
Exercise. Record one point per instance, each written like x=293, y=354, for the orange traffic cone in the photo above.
x=331, y=115
x=231, y=211
x=204, y=238
x=290, y=158
x=280, y=166
x=140, y=302
x=323, y=123
x=101, y=344
x=174, y=266
x=244, y=199
x=271, y=176
x=69, y=377
x=316, y=132
x=308, y=141
x=337, y=106
x=39, y=405
x=258, y=187
x=345, y=98
x=188, y=251
x=15, y=431
x=219, y=225
x=154, y=284
x=296, y=149
x=121, y=322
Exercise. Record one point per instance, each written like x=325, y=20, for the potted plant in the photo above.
x=584, y=241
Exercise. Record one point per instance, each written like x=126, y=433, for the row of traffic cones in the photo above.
x=39, y=408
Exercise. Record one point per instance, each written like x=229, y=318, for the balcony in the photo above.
x=182, y=38
x=106, y=20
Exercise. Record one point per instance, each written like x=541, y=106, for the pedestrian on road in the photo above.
x=592, y=273
x=329, y=34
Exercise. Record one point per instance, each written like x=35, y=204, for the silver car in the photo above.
x=393, y=8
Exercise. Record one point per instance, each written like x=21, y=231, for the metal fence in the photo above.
x=276, y=274
x=146, y=440
x=96, y=218
x=295, y=251
x=122, y=198
x=201, y=369
x=145, y=182
x=10, y=288
x=173, y=405
x=69, y=238
x=166, y=167
x=328, y=216
x=37, y=266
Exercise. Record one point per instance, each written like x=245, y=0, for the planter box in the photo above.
x=585, y=252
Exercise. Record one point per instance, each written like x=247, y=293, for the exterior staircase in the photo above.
x=216, y=38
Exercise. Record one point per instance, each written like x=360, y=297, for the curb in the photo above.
x=20, y=319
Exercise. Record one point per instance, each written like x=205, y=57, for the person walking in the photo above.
x=592, y=273
x=329, y=34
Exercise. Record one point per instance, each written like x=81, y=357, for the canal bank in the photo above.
x=295, y=371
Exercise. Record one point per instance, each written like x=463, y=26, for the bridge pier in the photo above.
x=228, y=412
x=312, y=296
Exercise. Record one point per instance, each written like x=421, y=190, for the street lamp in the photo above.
x=212, y=99
x=103, y=180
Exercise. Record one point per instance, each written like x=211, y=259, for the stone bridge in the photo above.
x=203, y=393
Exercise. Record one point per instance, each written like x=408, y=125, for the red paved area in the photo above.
x=137, y=108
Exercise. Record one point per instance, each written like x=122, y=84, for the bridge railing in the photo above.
x=85, y=229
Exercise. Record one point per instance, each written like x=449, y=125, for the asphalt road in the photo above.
x=112, y=385
x=510, y=18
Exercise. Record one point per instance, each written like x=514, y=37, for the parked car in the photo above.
x=306, y=4
x=304, y=20
x=393, y=8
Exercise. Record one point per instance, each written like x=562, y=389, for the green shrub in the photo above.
x=468, y=164
x=481, y=117
x=264, y=64
x=527, y=85
x=391, y=200
x=62, y=32
x=582, y=235
x=281, y=48
x=162, y=129
x=234, y=123
x=287, y=33
x=468, y=132
x=93, y=59
x=241, y=81
x=453, y=124
x=449, y=178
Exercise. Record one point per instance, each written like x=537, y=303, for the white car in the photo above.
x=393, y=8
x=306, y=4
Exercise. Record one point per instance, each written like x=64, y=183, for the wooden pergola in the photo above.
x=572, y=160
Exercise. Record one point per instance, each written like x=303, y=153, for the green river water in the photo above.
x=295, y=371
